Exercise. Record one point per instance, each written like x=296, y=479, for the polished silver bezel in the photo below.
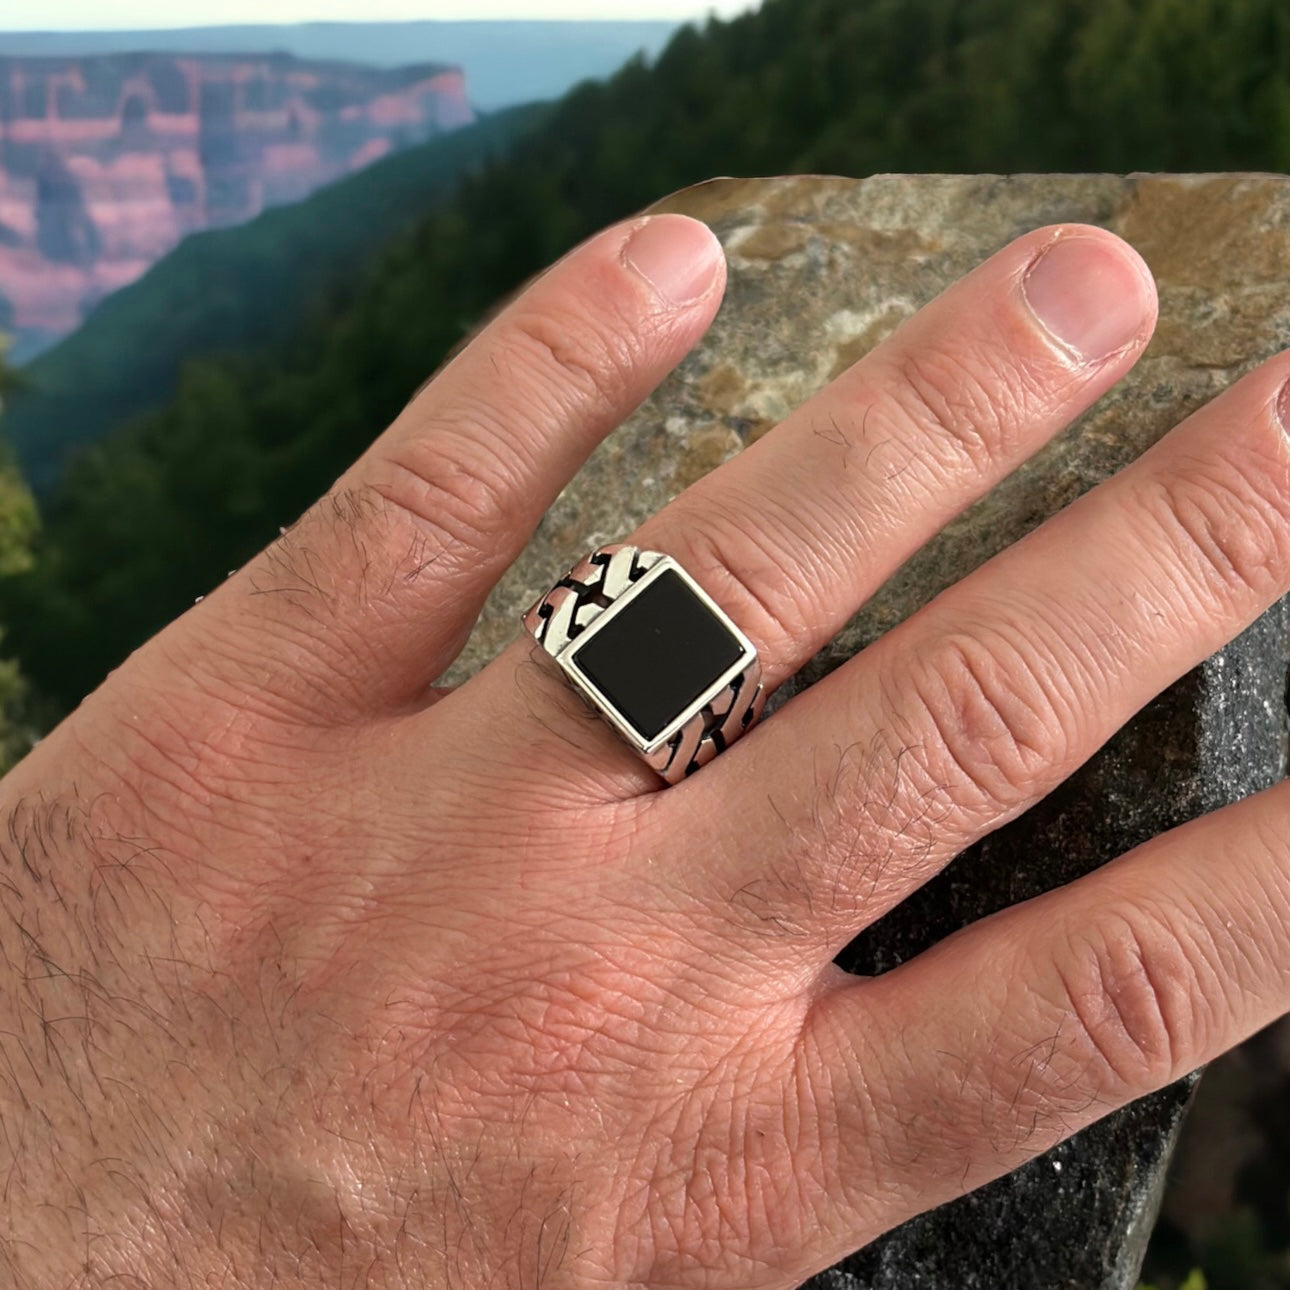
x=569, y=663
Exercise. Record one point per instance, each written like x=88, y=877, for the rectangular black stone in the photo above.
x=658, y=654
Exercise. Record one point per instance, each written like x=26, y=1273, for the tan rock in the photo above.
x=821, y=270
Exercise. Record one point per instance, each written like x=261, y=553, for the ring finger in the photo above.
x=796, y=532
x=983, y=701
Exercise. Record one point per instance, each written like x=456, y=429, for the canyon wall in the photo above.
x=107, y=161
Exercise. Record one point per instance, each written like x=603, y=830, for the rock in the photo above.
x=1229, y=1183
x=821, y=270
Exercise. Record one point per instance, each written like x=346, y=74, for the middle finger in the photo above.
x=794, y=533
x=984, y=700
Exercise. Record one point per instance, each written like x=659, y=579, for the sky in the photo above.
x=94, y=15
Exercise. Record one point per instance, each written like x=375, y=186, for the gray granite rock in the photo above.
x=1080, y=1216
x=821, y=270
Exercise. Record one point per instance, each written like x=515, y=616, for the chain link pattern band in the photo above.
x=582, y=596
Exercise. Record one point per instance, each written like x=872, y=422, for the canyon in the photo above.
x=107, y=161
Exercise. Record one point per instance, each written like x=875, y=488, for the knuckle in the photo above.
x=571, y=359
x=456, y=473
x=1228, y=520
x=457, y=499
x=738, y=557
x=1130, y=1011
x=983, y=725
x=968, y=400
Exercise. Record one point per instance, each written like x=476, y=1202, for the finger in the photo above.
x=982, y=702
x=798, y=531
x=794, y=533
x=1031, y=1024
x=366, y=600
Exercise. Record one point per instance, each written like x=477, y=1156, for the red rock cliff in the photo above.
x=106, y=162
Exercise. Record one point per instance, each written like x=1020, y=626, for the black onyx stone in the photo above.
x=658, y=654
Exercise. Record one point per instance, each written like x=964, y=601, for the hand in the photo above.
x=316, y=975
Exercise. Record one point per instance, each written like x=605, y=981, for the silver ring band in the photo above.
x=653, y=654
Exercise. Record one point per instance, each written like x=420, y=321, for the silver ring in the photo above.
x=653, y=654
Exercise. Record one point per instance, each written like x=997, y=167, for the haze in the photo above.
x=103, y=15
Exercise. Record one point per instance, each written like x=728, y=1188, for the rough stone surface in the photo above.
x=822, y=269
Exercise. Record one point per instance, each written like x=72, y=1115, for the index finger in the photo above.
x=362, y=604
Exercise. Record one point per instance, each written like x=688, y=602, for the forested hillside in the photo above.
x=19, y=724
x=159, y=513
x=232, y=288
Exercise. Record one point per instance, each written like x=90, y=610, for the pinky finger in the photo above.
x=1027, y=1026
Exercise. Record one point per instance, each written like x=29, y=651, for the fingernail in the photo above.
x=1283, y=407
x=677, y=256
x=1089, y=295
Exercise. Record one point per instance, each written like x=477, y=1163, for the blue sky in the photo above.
x=90, y=15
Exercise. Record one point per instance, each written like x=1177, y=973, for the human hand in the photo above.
x=314, y=974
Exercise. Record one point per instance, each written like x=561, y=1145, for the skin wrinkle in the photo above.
x=244, y=683
x=455, y=505
x=581, y=361
x=870, y=821
x=374, y=991
x=999, y=803
x=535, y=346
x=845, y=1119
x=945, y=394
x=1247, y=556
x=1121, y=1016
x=758, y=588
x=1270, y=898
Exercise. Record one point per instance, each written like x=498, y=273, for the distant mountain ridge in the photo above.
x=234, y=289
x=507, y=62
x=107, y=161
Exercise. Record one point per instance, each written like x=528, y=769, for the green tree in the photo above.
x=155, y=514
x=17, y=528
